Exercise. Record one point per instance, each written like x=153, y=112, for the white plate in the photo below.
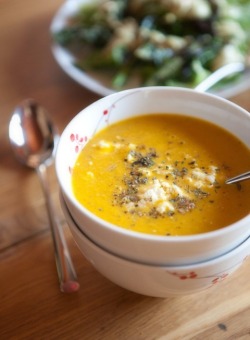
x=66, y=60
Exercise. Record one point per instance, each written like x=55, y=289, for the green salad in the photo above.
x=160, y=42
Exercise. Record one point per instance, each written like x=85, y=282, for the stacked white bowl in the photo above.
x=152, y=265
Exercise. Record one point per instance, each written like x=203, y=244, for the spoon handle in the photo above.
x=239, y=178
x=66, y=272
x=218, y=75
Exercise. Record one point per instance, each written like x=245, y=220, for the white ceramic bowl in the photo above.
x=137, y=246
x=158, y=281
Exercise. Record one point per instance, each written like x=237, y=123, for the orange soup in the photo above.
x=163, y=175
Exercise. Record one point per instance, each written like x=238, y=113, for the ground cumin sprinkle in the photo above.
x=158, y=190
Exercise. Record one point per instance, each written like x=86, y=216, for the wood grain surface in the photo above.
x=31, y=305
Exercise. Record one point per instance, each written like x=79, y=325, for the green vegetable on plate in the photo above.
x=161, y=42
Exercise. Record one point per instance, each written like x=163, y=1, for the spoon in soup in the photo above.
x=214, y=78
x=33, y=138
x=239, y=178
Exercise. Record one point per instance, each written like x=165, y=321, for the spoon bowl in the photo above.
x=33, y=138
x=32, y=134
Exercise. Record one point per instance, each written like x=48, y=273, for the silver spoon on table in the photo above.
x=33, y=139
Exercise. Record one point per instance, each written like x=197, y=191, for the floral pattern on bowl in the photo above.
x=78, y=139
x=157, y=281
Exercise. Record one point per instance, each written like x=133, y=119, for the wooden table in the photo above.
x=31, y=305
